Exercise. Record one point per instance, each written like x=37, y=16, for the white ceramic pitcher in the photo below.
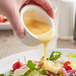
x=36, y=13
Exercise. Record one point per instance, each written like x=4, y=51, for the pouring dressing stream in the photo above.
x=42, y=30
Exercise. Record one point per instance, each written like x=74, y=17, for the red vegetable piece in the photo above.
x=2, y=19
x=66, y=65
x=17, y=65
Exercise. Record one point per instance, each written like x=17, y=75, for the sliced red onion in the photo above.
x=38, y=66
x=64, y=72
x=22, y=67
x=50, y=73
x=37, y=61
x=71, y=71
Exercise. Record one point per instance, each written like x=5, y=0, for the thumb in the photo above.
x=15, y=20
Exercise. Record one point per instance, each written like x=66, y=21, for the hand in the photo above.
x=10, y=8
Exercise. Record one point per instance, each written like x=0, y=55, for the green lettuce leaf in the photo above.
x=55, y=55
x=31, y=65
x=2, y=75
x=62, y=75
x=26, y=74
x=42, y=71
x=32, y=73
x=71, y=55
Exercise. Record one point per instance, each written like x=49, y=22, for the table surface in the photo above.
x=9, y=44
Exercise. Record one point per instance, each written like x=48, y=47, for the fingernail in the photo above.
x=21, y=35
x=52, y=17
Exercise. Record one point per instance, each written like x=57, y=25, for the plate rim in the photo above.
x=34, y=50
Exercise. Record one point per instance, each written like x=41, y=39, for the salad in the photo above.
x=3, y=19
x=56, y=65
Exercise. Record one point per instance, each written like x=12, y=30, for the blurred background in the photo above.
x=65, y=37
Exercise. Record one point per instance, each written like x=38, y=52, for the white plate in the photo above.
x=6, y=63
x=5, y=26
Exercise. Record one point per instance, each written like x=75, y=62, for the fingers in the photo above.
x=11, y=10
x=46, y=5
x=16, y=23
x=20, y=2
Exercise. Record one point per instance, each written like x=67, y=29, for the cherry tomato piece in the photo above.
x=2, y=19
x=17, y=65
x=66, y=65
